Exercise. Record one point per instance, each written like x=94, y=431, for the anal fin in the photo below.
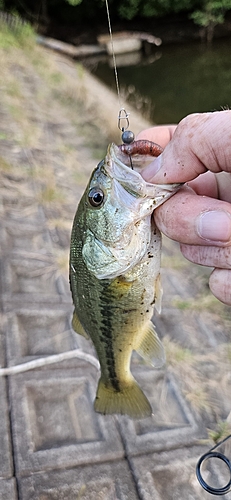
x=76, y=325
x=151, y=347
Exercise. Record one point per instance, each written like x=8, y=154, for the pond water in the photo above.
x=173, y=81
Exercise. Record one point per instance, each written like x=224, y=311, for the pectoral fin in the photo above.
x=76, y=325
x=158, y=294
x=151, y=348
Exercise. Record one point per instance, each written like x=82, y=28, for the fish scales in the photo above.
x=114, y=277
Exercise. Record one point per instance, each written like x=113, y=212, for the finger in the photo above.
x=220, y=285
x=161, y=134
x=200, y=142
x=195, y=220
x=206, y=185
x=210, y=256
x=224, y=186
x=213, y=185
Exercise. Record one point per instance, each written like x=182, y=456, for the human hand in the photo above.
x=199, y=215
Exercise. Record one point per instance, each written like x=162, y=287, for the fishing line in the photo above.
x=113, y=54
x=123, y=120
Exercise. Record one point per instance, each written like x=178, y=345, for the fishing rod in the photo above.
x=208, y=459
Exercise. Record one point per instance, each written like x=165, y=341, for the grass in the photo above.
x=199, y=399
x=18, y=36
x=195, y=385
x=228, y=352
x=176, y=261
x=5, y=166
x=203, y=302
x=58, y=223
x=176, y=354
x=18, y=49
x=50, y=195
x=3, y=136
x=30, y=85
x=13, y=89
x=81, y=492
x=62, y=261
x=221, y=431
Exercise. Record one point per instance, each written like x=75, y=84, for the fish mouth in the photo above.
x=132, y=181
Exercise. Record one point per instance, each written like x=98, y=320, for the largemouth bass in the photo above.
x=115, y=277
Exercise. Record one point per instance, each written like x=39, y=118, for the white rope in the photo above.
x=55, y=358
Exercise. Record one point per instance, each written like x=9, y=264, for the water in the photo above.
x=174, y=80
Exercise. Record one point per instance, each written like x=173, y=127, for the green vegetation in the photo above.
x=4, y=165
x=206, y=14
x=153, y=8
x=50, y=194
x=221, y=432
x=17, y=35
x=176, y=354
x=210, y=14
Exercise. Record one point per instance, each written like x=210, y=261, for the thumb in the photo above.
x=201, y=142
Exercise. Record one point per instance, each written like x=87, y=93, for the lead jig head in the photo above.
x=127, y=137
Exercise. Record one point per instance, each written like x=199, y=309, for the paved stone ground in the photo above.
x=53, y=445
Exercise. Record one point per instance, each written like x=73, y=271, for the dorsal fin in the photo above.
x=76, y=325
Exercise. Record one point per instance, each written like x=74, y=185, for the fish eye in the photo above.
x=96, y=197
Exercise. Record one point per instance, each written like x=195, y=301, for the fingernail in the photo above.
x=151, y=170
x=214, y=226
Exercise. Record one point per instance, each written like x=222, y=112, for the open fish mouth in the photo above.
x=133, y=182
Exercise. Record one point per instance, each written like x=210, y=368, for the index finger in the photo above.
x=199, y=143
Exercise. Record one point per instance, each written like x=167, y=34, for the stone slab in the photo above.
x=26, y=237
x=34, y=332
x=172, y=424
x=21, y=210
x=124, y=46
x=5, y=438
x=188, y=326
x=69, y=49
x=54, y=424
x=112, y=481
x=171, y=476
x=38, y=332
x=3, y=333
x=18, y=300
x=33, y=274
x=8, y=489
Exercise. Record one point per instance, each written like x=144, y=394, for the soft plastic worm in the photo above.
x=141, y=147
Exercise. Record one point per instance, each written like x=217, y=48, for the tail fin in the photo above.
x=130, y=400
